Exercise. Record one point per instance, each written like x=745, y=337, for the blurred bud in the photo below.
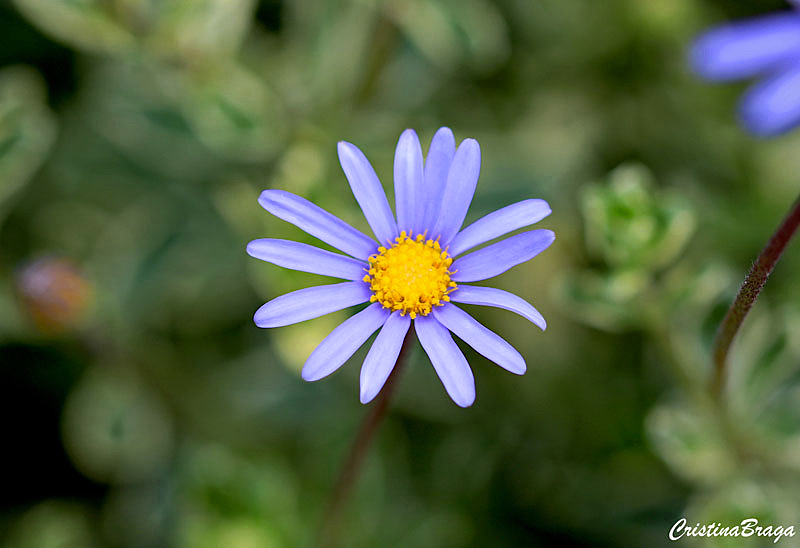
x=634, y=232
x=27, y=127
x=116, y=430
x=631, y=225
x=55, y=294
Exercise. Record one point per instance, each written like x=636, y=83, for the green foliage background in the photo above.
x=144, y=408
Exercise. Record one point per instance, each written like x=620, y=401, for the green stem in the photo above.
x=348, y=475
x=748, y=294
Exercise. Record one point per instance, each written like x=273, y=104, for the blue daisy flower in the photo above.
x=418, y=266
x=767, y=46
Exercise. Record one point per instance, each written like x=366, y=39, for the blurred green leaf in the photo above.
x=194, y=30
x=232, y=111
x=27, y=128
x=234, y=501
x=764, y=369
x=189, y=30
x=450, y=33
x=91, y=25
x=54, y=524
x=609, y=301
x=690, y=440
x=772, y=503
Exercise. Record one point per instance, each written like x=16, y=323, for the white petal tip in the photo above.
x=470, y=143
x=464, y=403
x=309, y=375
x=463, y=400
x=258, y=319
x=267, y=196
x=343, y=147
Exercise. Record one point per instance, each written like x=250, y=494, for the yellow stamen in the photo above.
x=411, y=276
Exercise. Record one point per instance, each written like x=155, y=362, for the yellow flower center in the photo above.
x=411, y=276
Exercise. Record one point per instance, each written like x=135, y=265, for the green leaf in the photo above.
x=192, y=28
x=186, y=29
x=233, y=112
x=90, y=25
x=27, y=128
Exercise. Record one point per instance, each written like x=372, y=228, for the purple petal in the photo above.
x=342, y=342
x=459, y=189
x=311, y=302
x=437, y=165
x=772, y=106
x=317, y=222
x=382, y=357
x=742, y=50
x=447, y=359
x=408, y=181
x=489, y=296
x=498, y=223
x=368, y=191
x=306, y=258
x=495, y=259
x=485, y=341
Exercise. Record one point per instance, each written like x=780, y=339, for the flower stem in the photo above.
x=348, y=475
x=748, y=294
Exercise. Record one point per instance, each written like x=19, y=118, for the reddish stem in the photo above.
x=748, y=294
x=352, y=466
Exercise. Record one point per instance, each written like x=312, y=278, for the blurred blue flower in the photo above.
x=769, y=46
x=413, y=274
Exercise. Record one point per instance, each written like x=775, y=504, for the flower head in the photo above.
x=411, y=276
x=767, y=46
x=416, y=270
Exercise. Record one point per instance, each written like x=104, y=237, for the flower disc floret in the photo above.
x=412, y=276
